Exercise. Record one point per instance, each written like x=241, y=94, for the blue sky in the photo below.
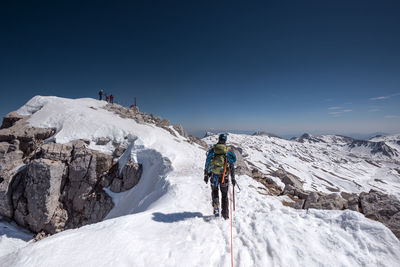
x=285, y=67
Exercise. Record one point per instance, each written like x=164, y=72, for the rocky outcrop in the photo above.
x=383, y=208
x=10, y=162
x=272, y=187
x=10, y=119
x=375, y=147
x=180, y=130
x=193, y=139
x=130, y=176
x=262, y=133
x=42, y=191
x=102, y=141
x=18, y=130
x=60, y=186
x=290, y=180
x=141, y=117
x=324, y=202
x=374, y=205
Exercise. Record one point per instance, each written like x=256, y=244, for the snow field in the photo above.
x=166, y=219
x=326, y=167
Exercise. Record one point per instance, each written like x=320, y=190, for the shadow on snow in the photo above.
x=175, y=217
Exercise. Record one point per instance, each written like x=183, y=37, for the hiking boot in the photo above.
x=216, y=210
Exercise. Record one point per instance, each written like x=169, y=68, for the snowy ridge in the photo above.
x=165, y=220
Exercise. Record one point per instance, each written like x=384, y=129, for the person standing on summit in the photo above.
x=101, y=94
x=219, y=164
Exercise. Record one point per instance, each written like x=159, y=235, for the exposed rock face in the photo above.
x=10, y=119
x=352, y=201
x=376, y=147
x=288, y=179
x=56, y=151
x=9, y=162
x=201, y=143
x=17, y=130
x=180, y=130
x=102, y=141
x=141, y=117
x=327, y=202
x=42, y=191
x=270, y=184
x=262, y=133
x=374, y=205
x=61, y=187
x=382, y=207
x=131, y=174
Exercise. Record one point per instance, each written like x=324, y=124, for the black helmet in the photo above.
x=222, y=137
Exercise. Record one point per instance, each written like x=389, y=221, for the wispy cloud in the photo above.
x=333, y=108
x=384, y=97
x=339, y=112
x=374, y=110
x=392, y=116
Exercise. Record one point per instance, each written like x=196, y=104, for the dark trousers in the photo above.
x=216, y=181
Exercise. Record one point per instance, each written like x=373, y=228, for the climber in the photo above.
x=101, y=94
x=220, y=162
x=111, y=99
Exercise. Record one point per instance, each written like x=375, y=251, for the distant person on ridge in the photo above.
x=101, y=94
x=107, y=98
x=111, y=99
x=220, y=162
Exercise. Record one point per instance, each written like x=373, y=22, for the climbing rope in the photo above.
x=231, y=215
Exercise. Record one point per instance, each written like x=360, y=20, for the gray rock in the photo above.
x=180, y=130
x=42, y=191
x=101, y=141
x=289, y=190
x=4, y=148
x=298, y=204
x=383, y=208
x=301, y=194
x=255, y=173
x=56, y=151
x=162, y=123
x=288, y=178
x=103, y=162
x=327, y=202
x=10, y=119
x=119, y=150
x=394, y=224
x=83, y=196
x=14, y=145
x=201, y=143
x=352, y=201
x=130, y=176
x=9, y=163
x=26, y=134
x=58, y=221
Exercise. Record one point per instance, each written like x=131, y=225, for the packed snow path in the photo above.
x=166, y=219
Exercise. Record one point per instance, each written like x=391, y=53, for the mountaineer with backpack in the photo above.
x=220, y=162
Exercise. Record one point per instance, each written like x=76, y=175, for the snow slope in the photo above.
x=324, y=163
x=165, y=220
